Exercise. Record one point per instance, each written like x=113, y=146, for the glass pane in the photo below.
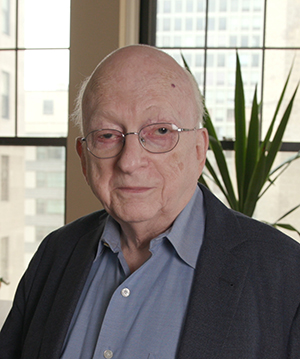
x=8, y=24
x=282, y=23
x=278, y=200
x=43, y=93
x=235, y=24
x=7, y=88
x=282, y=197
x=220, y=86
x=44, y=24
x=31, y=205
x=180, y=23
x=277, y=67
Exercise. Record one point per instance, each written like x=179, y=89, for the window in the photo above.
x=6, y=17
x=178, y=6
x=189, y=5
x=49, y=153
x=221, y=60
x=167, y=6
x=266, y=49
x=233, y=41
x=49, y=179
x=200, y=24
x=222, y=23
x=4, y=178
x=245, y=5
x=234, y=4
x=201, y=5
x=4, y=257
x=244, y=41
x=189, y=24
x=5, y=94
x=49, y=206
x=177, y=26
x=211, y=24
x=34, y=85
x=167, y=25
x=223, y=5
x=48, y=107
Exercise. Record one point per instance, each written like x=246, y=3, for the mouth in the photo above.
x=133, y=190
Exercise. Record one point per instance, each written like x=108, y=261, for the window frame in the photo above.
x=22, y=141
x=148, y=22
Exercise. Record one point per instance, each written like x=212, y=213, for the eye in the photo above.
x=156, y=131
x=162, y=130
x=106, y=136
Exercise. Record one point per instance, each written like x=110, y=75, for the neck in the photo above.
x=135, y=242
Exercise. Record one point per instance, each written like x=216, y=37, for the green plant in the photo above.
x=253, y=158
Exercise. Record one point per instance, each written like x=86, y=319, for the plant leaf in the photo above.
x=276, y=143
x=283, y=166
x=218, y=183
x=286, y=226
x=266, y=159
x=240, y=131
x=255, y=186
x=266, y=141
x=288, y=161
x=252, y=143
x=217, y=149
x=287, y=213
x=202, y=180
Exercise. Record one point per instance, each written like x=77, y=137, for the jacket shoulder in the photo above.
x=233, y=230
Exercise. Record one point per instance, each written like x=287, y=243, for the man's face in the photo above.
x=138, y=186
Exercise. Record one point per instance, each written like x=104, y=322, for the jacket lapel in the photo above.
x=68, y=294
x=219, y=279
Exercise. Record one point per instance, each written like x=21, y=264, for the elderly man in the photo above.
x=166, y=270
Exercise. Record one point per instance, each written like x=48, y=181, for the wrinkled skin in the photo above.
x=144, y=192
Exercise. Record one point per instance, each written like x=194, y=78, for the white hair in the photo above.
x=76, y=116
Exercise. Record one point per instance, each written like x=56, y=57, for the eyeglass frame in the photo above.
x=177, y=129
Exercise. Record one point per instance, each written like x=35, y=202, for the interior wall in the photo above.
x=94, y=34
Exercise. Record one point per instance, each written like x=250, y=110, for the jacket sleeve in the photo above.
x=294, y=339
x=14, y=328
x=65, y=254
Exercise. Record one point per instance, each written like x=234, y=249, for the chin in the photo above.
x=134, y=213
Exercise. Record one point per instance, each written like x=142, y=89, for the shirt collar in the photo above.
x=186, y=234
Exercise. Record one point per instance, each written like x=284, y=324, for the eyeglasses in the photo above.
x=154, y=138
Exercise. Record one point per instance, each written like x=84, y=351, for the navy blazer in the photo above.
x=244, y=301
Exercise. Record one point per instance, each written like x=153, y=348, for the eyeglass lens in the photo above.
x=155, y=138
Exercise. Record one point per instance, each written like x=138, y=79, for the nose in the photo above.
x=133, y=156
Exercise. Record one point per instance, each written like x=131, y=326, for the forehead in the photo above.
x=134, y=84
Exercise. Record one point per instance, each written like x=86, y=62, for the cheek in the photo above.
x=98, y=179
x=176, y=163
x=183, y=166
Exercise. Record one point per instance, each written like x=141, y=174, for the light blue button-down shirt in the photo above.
x=140, y=315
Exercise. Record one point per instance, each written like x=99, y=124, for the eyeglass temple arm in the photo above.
x=186, y=129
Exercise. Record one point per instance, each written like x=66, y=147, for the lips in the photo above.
x=135, y=189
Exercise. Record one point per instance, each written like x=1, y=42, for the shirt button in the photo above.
x=108, y=354
x=125, y=292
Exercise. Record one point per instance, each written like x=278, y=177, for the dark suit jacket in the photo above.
x=244, y=302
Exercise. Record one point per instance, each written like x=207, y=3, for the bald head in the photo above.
x=137, y=97
x=135, y=67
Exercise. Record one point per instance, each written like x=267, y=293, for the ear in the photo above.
x=202, y=146
x=81, y=153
